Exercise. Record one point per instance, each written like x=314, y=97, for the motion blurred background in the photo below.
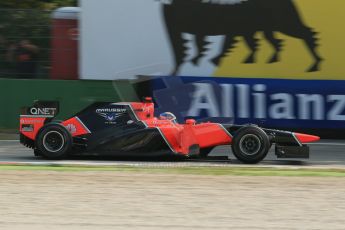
x=274, y=63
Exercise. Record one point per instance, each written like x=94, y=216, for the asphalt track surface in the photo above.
x=326, y=153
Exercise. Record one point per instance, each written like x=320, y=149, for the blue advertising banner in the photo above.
x=269, y=102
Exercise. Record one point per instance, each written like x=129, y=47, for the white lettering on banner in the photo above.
x=305, y=103
x=204, y=99
x=243, y=101
x=274, y=106
x=282, y=109
x=338, y=107
x=259, y=101
x=228, y=100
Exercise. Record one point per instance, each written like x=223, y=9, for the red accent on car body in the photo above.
x=211, y=134
x=75, y=127
x=148, y=99
x=143, y=110
x=190, y=122
x=306, y=138
x=35, y=122
x=180, y=137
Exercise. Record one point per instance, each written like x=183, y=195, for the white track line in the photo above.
x=166, y=165
x=327, y=143
x=316, y=143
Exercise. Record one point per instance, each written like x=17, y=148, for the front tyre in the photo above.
x=250, y=145
x=54, y=141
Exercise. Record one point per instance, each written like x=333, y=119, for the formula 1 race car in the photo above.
x=131, y=129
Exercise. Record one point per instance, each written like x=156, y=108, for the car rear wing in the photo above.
x=33, y=118
x=48, y=109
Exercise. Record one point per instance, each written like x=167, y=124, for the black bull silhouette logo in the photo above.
x=238, y=18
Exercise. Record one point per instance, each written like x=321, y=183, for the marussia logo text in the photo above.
x=110, y=114
x=111, y=110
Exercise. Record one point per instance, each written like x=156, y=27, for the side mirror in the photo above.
x=190, y=122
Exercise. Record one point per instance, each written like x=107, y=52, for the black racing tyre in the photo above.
x=250, y=144
x=52, y=120
x=53, y=141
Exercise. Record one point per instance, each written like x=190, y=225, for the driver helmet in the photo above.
x=167, y=116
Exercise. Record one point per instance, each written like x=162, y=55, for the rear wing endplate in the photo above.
x=41, y=109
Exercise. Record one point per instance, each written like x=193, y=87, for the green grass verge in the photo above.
x=221, y=171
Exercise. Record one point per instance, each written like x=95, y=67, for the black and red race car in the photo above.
x=130, y=128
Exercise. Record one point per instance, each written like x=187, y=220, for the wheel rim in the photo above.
x=250, y=144
x=53, y=141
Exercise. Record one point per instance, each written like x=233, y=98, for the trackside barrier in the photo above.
x=72, y=95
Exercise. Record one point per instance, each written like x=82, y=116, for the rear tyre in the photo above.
x=250, y=145
x=54, y=141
